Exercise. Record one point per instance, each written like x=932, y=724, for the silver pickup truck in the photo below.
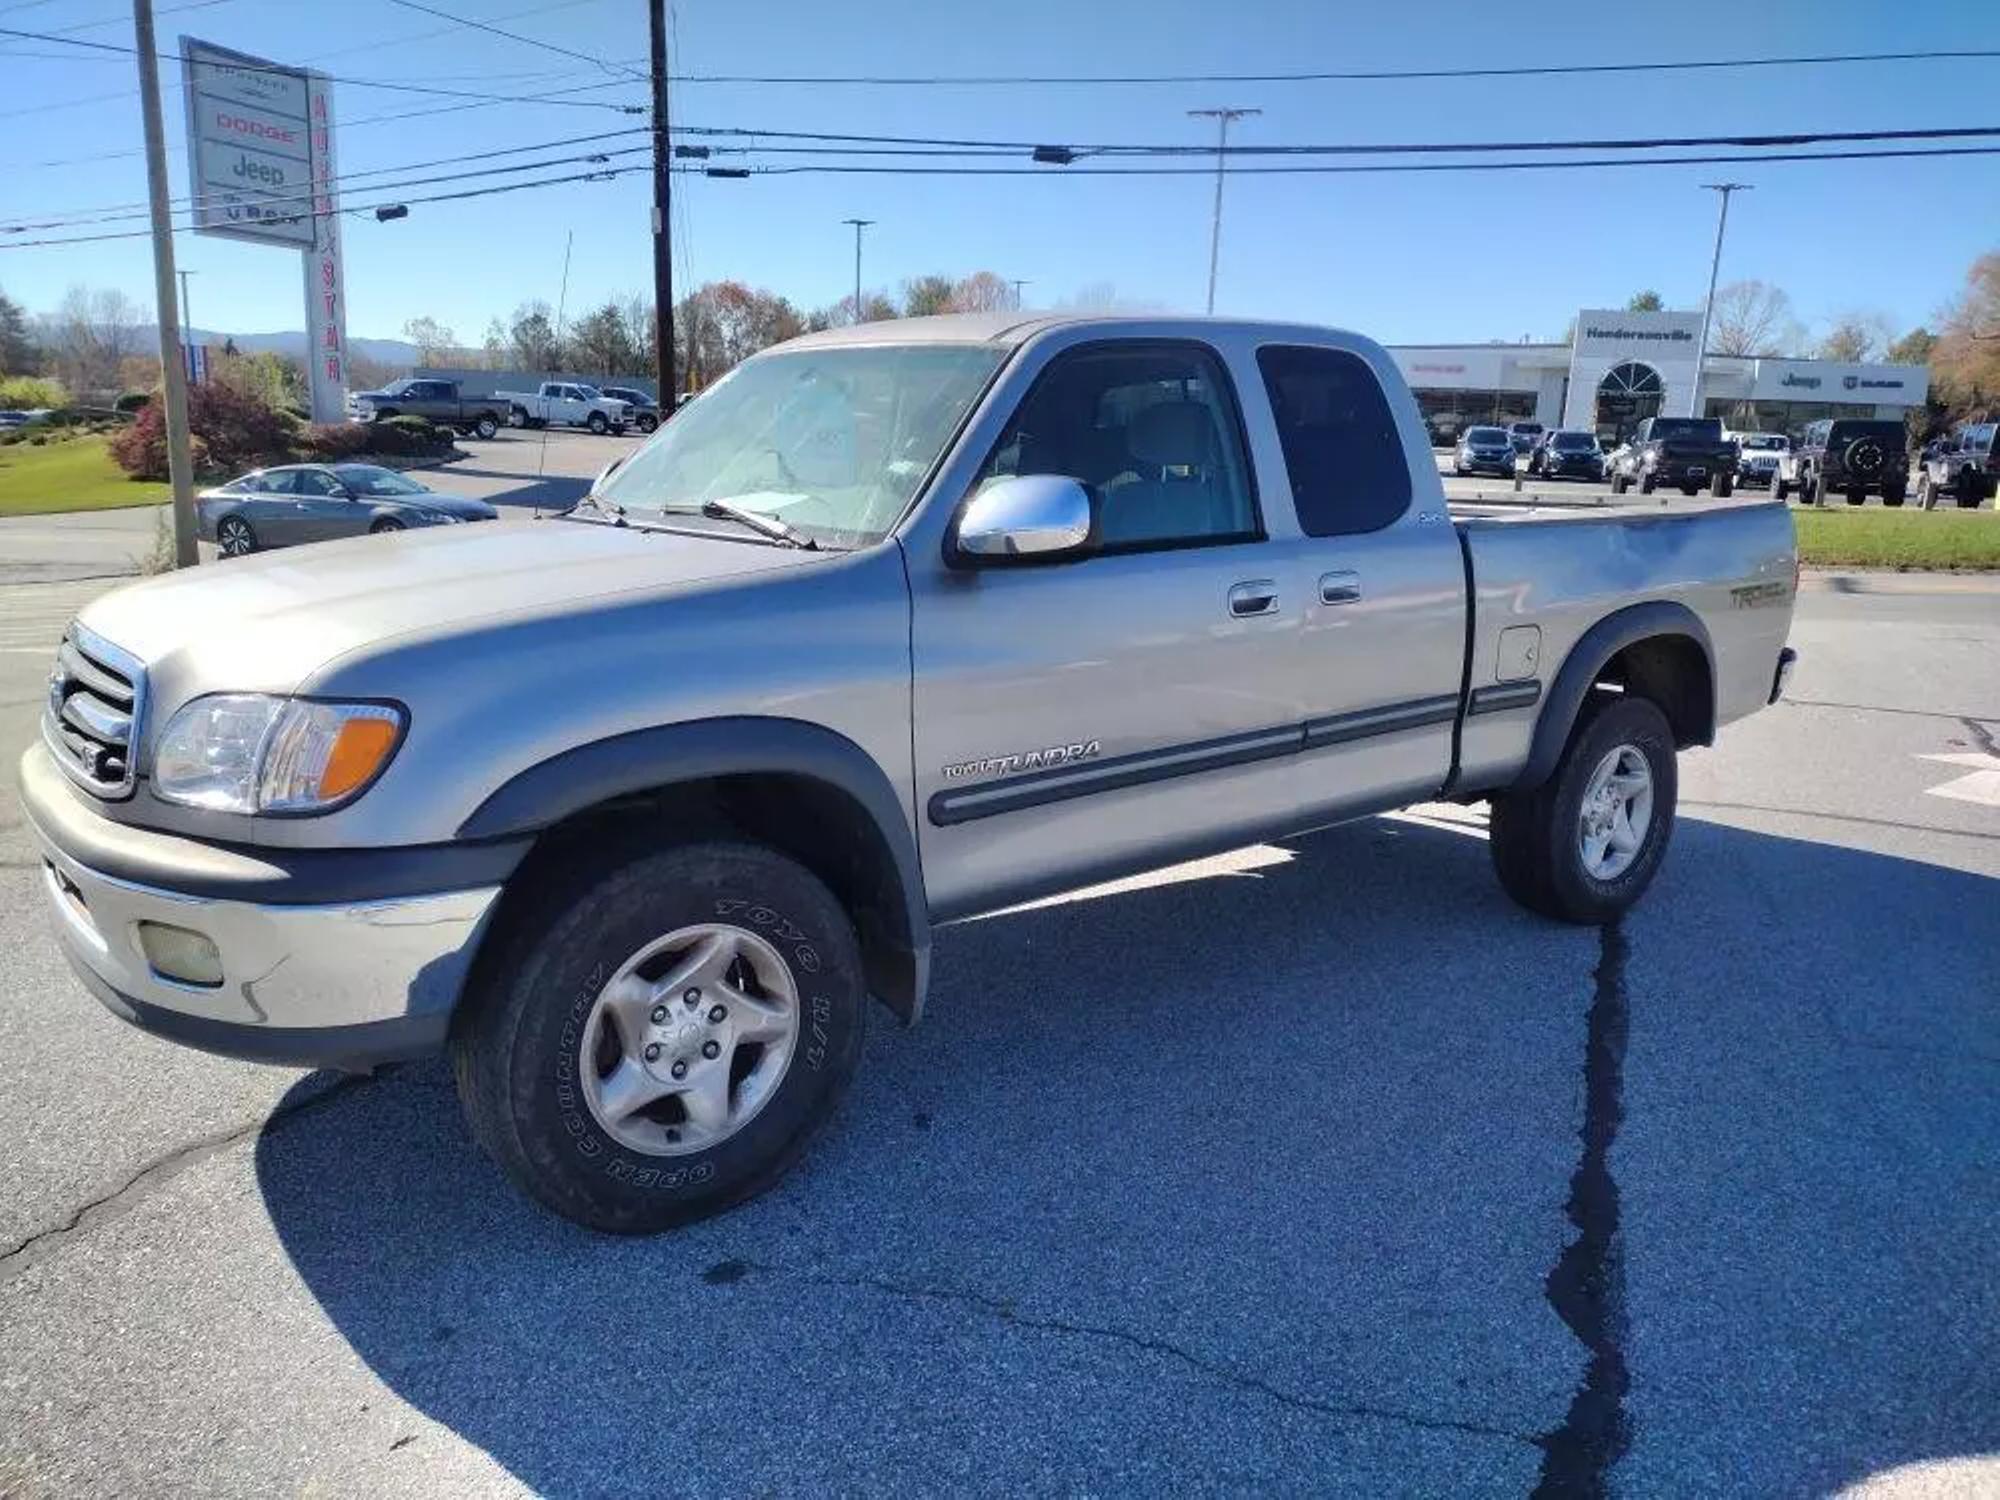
x=634, y=808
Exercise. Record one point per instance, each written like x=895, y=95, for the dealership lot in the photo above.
x=1255, y=1173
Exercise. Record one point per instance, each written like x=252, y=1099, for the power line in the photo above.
x=364, y=83
x=514, y=36
x=77, y=215
x=1345, y=75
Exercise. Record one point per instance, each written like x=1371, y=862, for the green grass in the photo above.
x=68, y=474
x=1875, y=538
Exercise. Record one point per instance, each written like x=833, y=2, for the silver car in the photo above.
x=317, y=502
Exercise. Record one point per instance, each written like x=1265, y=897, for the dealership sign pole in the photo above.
x=262, y=167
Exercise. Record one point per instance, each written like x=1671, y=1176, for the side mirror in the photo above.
x=1032, y=518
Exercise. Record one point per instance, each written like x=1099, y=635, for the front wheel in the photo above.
x=1618, y=484
x=1724, y=487
x=1892, y=498
x=658, y=1039
x=1646, y=483
x=234, y=538
x=1970, y=490
x=517, y=416
x=1856, y=495
x=1779, y=488
x=386, y=524
x=598, y=423
x=1809, y=491
x=1584, y=845
x=649, y=425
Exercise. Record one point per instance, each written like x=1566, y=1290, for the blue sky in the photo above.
x=1435, y=258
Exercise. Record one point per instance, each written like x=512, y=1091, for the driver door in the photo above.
x=323, y=508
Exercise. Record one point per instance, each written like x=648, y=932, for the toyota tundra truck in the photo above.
x=632, y=810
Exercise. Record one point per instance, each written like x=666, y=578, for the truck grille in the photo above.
x=97, y=694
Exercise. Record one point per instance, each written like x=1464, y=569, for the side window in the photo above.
x=1342, y=451
x=283, y=482
x=1151, y=431
x=313, y=482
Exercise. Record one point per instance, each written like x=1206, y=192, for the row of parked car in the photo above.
x=555, y=403
x=1850, y=457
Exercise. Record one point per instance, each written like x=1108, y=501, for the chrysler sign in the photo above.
x=249, y=147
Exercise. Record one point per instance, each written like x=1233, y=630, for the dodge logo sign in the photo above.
x=1850, y=381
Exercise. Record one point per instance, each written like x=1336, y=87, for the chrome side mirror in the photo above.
x=1032, y=518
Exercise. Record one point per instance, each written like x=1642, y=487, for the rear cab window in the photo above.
x=1343, y=453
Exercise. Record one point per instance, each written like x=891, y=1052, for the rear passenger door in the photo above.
x=1128, y=706
x=1382, y=643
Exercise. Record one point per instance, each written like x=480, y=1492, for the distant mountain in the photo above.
x=293, y=342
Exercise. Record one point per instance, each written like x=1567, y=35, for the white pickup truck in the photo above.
x=565, y=403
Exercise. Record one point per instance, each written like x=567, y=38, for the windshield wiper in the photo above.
x=602, y=506
x=770, y=526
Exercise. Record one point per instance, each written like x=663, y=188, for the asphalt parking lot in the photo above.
x=1316, y=1168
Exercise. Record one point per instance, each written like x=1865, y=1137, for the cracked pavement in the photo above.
x=1255, y=1174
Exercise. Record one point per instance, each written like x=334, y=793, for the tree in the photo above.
x=1752, y=317
x=1646, y=301
x=1854, y=337
x=533, y=335
x=435, y=342
x=1913, y=348
x=600, y=343
x=924, y=296
x=267, y=376
x=89, y=335
x=1967, y=358
x=642, y=335
x=982, y=291
x=724, y=322
x=495, y=345
x=19, y=354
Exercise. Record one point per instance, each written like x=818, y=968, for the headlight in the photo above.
x=252, y=753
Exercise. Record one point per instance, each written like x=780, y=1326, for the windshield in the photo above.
x=589, y=392
x=1762, y=440
x=1573, y=442
x=366, y=479
x=833, y=442
x=1485, y=435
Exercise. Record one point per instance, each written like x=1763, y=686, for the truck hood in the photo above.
x=265, y=623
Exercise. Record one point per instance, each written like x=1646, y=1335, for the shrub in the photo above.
x=407, y=437
x=31, y=393
x=132, y=401
x=335, y=440
x=232, y=432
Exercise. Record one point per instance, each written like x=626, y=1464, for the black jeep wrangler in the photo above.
x=1853, y=456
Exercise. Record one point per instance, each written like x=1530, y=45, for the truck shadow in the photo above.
x=1252, y=1178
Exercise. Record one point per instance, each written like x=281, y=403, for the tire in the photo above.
x=598, y=423
x=1537, y=837
x=486, y=427
x=1892, y=498
x=1690, y=490
x=1618, y=484
x=518, y=1045
x=1723, y=487
x=1646, y=483
x=235, y=537
x=1856, y=495
x=1809, y=489
x=649, y=425
x=517, y=416
x=1970, y=490
x=1779, y=488
x=387, y=523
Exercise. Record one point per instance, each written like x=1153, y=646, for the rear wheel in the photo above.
x=1724, y=487
x=1584, y=845
x=1970, y=490
x=660, y=1036
x=486, y=427
x=234, y=538
x=1893, y=498
x=1809, y=489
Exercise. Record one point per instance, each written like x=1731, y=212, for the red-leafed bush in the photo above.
x=233, y=432
x=333, y=441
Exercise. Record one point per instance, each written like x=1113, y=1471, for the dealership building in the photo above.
x=1621, y=367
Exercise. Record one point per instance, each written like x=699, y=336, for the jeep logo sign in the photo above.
x=1800, y=382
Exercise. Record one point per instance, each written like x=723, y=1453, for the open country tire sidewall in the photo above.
x=625, y=1189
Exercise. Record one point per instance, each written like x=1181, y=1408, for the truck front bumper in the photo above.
x=349, y=983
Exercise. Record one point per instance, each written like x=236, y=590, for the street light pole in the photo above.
x=1222, y=118
x=859, y=225
x=1708, y=307
x=1018, y=283
x=173, y=373
x=663, y=210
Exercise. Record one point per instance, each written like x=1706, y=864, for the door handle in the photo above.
x=1259, y=596
x=1341, y=587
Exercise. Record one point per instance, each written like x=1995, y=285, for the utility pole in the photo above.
x=1708, y=307
x=1018, y=283
x=663, y=206
x=173, y=374
x=1222, y=118
x=859, y=225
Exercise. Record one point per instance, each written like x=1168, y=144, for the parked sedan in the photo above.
x=1486, y=450
x=317, y=502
